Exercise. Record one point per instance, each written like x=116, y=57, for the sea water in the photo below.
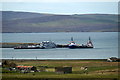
x=105, y=45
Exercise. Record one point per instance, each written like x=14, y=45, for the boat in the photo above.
x=73, y=45
x=42, y=45
x=50, y=45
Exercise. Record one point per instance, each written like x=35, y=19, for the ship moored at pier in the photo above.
x=42, y=45
x=50, y=44
x=73, y=45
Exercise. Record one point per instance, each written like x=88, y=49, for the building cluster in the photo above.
x=9, y=67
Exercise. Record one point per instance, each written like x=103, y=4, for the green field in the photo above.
x=97, y=69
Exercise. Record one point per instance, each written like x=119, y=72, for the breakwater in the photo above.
x=12, y=45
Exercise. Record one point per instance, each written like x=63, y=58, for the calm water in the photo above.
x=106, y=45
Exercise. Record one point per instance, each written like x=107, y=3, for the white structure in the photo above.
x=48, y=44
x=112, y=59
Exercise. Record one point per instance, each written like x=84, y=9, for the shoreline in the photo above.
x=57, y=59
x=12, y=45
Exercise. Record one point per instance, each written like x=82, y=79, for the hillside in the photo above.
x=36, y=22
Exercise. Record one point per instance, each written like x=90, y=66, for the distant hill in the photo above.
x=37, y=22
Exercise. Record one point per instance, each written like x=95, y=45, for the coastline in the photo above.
x=12, y=45
x=57, y=59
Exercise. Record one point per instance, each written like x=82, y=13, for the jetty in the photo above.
x=47, y=45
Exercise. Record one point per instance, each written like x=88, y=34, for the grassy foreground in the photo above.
x=97, y=70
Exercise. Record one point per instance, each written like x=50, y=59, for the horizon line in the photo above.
x=58, y=13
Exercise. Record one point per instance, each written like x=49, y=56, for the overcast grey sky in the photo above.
x=62, y=7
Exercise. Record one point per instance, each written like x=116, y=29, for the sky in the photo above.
x=59, y=0
x=63, y=7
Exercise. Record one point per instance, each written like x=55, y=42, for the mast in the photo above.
x=90, y=42
x=71, y=38
x=72, y=41
x=89, y=38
